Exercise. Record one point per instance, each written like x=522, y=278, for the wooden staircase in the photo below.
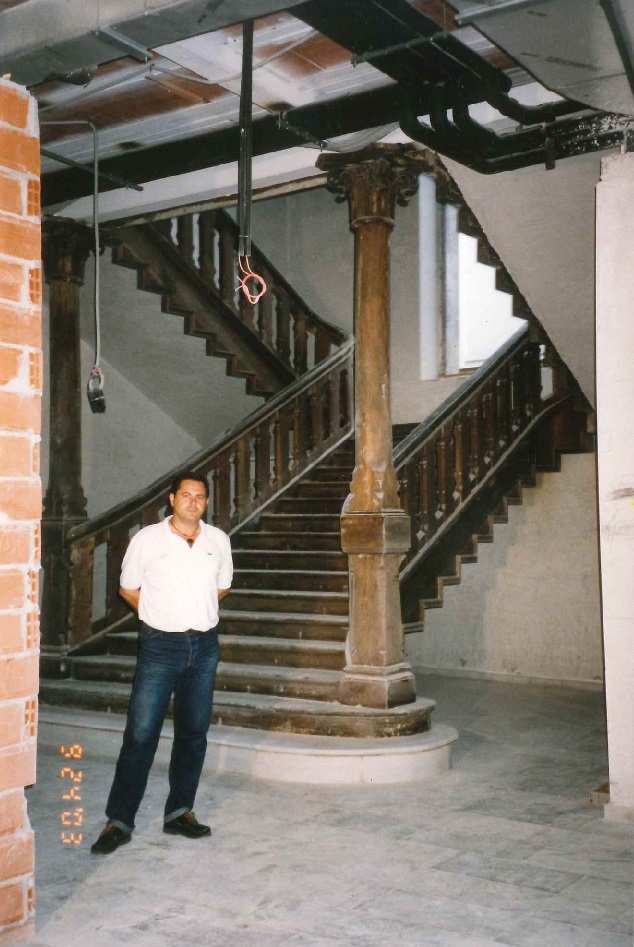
x=282, y=632
x=278, y=482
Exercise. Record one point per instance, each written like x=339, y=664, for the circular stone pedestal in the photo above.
x=295, y=758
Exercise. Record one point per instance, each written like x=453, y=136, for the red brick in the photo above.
x=11, y=195
x=14, y=106
x=15, y=544
x=36, y=448
x=11, y=720
x=17, y=766
x=20, y=325
x=10, y=359
x=16, y=458
x=19, y=676
x=21, y=499
x=35, y=285
x=11, y=633
x=20, y=238
x=33, y=198
x=12, y=276
x=16, y=855
x=12, y=904
x=20, y=412
x=32, y=631
x=12, y=811
x=12, y=586
x=36, y=370
x=19, y=152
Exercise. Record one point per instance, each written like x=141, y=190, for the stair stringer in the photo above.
x=183, y=293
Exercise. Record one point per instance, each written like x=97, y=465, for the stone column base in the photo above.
x=378, y=687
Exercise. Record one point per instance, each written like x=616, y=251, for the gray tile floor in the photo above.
x=504, y=849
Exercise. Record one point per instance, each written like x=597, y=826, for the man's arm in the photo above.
x=131, y=596
x=222, y=593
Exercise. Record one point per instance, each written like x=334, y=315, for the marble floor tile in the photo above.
x=502, y=850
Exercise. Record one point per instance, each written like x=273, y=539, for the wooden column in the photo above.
x=375, y=532
x=66, y=246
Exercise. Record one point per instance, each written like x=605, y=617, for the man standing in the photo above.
x=174, y=574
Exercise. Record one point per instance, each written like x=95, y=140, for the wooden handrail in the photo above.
x=207, y=243
x=247, y=468
x=444, y=463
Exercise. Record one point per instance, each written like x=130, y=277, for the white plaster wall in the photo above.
x=615, y=422
x=307, y=236
x=529, y=608
x=126, y=448
x=542, y=225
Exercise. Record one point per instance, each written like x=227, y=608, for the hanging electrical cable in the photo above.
x=257, y=287
x=96, y=397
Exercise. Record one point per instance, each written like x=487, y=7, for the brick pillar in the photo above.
x=20, y=492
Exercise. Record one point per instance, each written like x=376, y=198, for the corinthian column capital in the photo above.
x=376, y=179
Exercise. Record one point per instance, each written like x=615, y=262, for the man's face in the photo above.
x=189, y=502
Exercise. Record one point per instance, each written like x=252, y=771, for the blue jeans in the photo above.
x=169, y=663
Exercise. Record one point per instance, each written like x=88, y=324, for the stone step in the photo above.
x=307, y=505
x=286, y=600
x=309, y=684
x=290, y=559
x=322, y=488
x=260, y=711
x=288, y=625
x=296, y=522
x=300, y=579
x=263, y=539
x=288, y=643
x=282, y=652
x=335, y=474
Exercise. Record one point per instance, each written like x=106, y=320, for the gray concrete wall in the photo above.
x=529, y=608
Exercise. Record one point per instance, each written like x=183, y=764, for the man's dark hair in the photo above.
x=190, y=475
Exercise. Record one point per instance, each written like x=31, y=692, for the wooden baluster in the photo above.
x=80, y=591
x=246, y=309
x=118, y=543
x=300, y=333
x=475, y=441
x=315, y=402
x=427, y=488
x=345, y=397
x=502, y=397
x=515, y=393
x=323, y=344
x=489, y=424
x=223, y=490
x=185, y=238
x=441, y=475
x=207, y=247
x=243, y=487
x=457, y=487
x=533, y=382
x=283, y=319
x=281, y=451
x=263, y=462
x=334, y=419
x=265, y=313
x=296, y=438
x=227, y=266
x=165, y=228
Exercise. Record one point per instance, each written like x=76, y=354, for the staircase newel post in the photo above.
x=66, y=247
x=375, y=531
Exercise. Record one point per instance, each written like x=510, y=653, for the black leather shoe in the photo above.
x=110, y=840
x=188, y=825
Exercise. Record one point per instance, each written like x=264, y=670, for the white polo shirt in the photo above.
x=179, y=585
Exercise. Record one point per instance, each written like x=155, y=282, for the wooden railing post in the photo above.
x=66, y=247
x=375, y=531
